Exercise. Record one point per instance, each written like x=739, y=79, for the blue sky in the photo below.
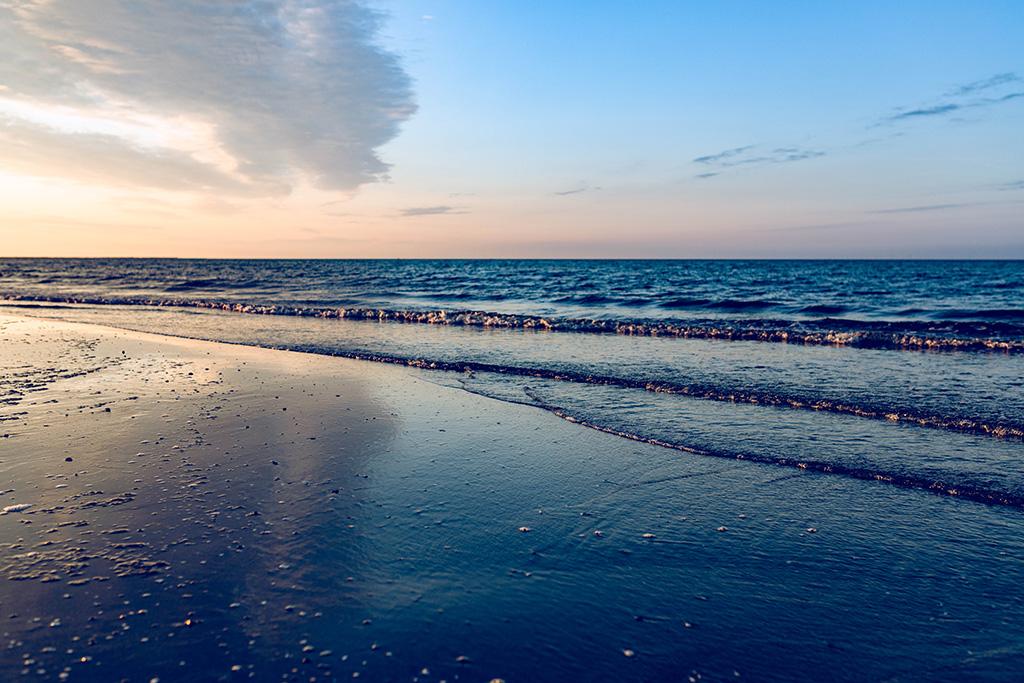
x=458, y=128
x=554, y=97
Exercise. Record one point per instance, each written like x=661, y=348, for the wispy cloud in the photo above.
x=985, y=84
x=431, y=210
x=962, y=97
x=576, y=190
x=937, y=110
x=815, y=227
x=227, y=96
x=723, y=156
x=1014, y=185
x=749, y=155
x=944, y=207
x=927, y=207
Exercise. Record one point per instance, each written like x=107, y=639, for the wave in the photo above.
x=588, y=299
x=684, y=303
x=823, y=309
x=721, y=305
x=973, y=492
x=982, y=314
x=210, y=283
x=448, y=296
x=910, y=481
x=742, y=305
x=963, y=336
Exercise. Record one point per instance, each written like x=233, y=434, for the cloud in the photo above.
x=1014, y=185
x=244, y=97
x=723, y=155
x=985, y=84
x=928, y=207
x=960, y=98
x=111, y=160
x=577, y=190
x=944, y=207
x=744, y=156
x=937, y=110
x=431, y=210
x=814, y=227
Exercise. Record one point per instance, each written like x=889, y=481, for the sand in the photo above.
x=188, y=510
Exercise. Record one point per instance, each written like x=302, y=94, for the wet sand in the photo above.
x=202, y=511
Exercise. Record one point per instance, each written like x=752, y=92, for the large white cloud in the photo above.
x=232, y=95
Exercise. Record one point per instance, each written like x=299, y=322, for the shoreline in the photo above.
x=906, y=335
x=258, y=509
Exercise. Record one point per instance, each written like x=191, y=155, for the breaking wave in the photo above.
x=945, y=335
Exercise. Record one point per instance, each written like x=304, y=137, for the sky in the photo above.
x=487, y=129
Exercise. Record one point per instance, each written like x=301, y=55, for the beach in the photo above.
x=190, y=510
x=503, y=342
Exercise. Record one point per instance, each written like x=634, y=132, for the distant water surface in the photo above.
x=984, y=292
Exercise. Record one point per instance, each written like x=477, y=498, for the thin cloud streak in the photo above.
x=928, y=207
x=577, y=190
x=942, y=207
x=430, y=211
x=739, y=156
x=723, y=155
x=985, y=84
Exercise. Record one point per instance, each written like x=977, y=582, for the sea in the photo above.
x=908, y=373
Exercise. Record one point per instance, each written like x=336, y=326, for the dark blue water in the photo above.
x=966, y=300
x=908, y=372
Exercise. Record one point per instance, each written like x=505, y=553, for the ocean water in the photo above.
x=909, y=373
